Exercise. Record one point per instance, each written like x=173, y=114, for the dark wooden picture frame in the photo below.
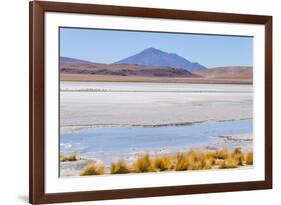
x=37, y=193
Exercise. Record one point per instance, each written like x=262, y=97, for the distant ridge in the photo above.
x=64, y=60
x=156, y=57
x=123, y=70
x=77, y=69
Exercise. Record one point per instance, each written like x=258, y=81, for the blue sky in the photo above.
x=108, y=46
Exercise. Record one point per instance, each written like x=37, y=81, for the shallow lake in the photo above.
x=110, y=143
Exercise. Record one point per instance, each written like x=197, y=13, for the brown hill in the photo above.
x=123, y=70
x=78, y=70
x=234, y=72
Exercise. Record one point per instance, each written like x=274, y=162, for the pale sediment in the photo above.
x=242, y=141
x=179, y=104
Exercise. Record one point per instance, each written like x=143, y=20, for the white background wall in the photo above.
x=14, y=100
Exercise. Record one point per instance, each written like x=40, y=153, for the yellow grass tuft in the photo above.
x=229, y=163
x=249, y=158
x=92, y=169
x=222, y=154
x=181, y=162
x=210, y=157
x=143, y=164
x=194, y=160
x=163, y=163
x=71, y=157
x=120, y=167
x=198, y=160
x=238, y=155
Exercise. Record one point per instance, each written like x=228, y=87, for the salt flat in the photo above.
x=90, y=104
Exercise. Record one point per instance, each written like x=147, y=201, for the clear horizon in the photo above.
x=208, y=50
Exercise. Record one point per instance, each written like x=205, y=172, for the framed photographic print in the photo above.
x=138, y=102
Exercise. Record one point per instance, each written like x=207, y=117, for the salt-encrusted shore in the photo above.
x=151, y=104
x=242, y=141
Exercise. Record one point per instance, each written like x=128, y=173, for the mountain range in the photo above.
x=153, y=64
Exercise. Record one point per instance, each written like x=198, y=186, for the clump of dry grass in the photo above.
x=222, y=154
x=238, y=155
x=92, y=169
x=143, y=164
x=233, y=160
x=249, y=158
x=194, y=160
x=199, y=160
x=181, y=162
x=71, y=157
x=120, y=167
x=210, y=157
x=209, y=160
x=229, y=163
x=163, y=163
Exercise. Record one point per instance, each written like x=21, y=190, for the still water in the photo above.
x=109, y=143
